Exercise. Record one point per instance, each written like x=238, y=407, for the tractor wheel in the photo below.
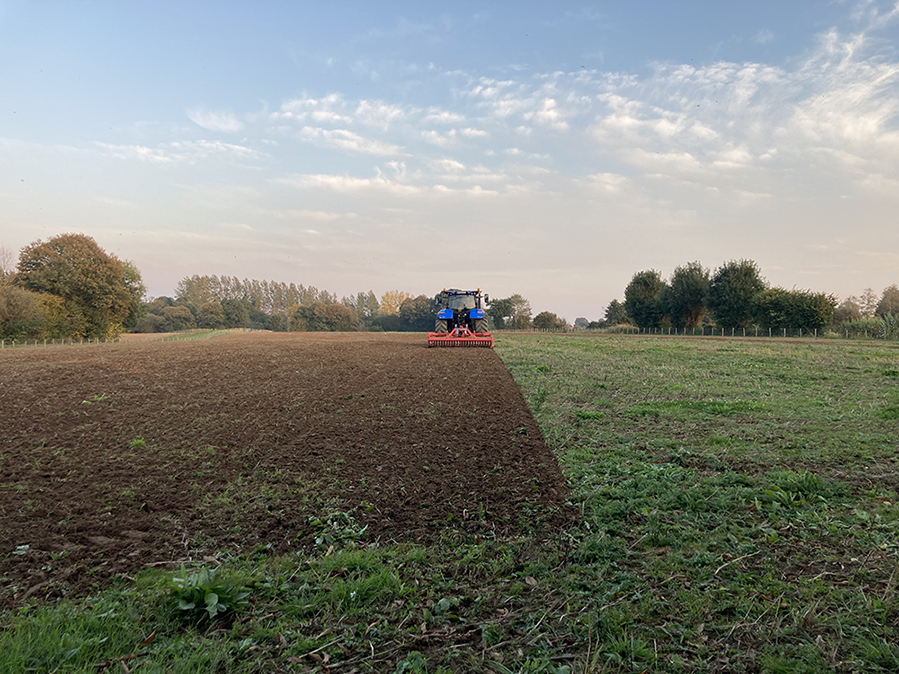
x=441, y=326
x=481, y=325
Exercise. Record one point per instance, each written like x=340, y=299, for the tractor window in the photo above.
x=456, y=302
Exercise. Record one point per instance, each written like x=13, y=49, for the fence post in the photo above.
x=785, y=333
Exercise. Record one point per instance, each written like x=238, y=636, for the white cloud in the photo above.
x=380, y=184
x=349, y=141
x=225, y=122
x=180, y=151
x=378, y=114
x=438, y=116
x=764, y=36
x=328, y=109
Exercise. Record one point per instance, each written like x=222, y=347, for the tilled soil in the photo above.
x=113, y=457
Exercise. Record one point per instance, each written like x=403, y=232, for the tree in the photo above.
x=211, y=315
x=642, y=298
x=868, y=303
x=322, y=317
x=237, y=313
x=521, y=312
x=365, y=305
x=178, y=318
x=615, y=314
x=21, y=313
x=391, y=301
x=90, y=282
x=847, y=311
x=732, y=290
x=778, y=308
x=889, y=302
x=7, y=267
x=581, y=322
x=418, y=313
x=547, y=320
x=134, y=284
x=685, y=296
x=500, y=313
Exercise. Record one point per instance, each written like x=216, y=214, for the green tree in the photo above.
x=642, y=298
x=418, y=313
x=500, y=313
x=90, y=282
x=848, y=310
x=732, y=290
x=868, y=303
x=137, y=291
x=780, y=309
x=889, y=302
x=581, y=322
x=237, y=313
x=547, y=320
x=685, y=296
x=322, y=317
x=521, y=313
x=365, y=305
x=178, y=318
x=211, y=315
x=616, y=314
x=21, y=314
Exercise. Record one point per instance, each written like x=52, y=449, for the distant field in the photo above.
x=735, y=510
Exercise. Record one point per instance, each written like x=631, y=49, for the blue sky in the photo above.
x=550, y=149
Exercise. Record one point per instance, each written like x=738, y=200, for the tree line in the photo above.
x=69, y=287
x=736, y=296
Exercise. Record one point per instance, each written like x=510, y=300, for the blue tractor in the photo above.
x=462, y=320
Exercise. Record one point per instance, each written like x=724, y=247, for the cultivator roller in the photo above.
x=461, y=336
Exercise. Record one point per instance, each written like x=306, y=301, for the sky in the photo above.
x=551, y=149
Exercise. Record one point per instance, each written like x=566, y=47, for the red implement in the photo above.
x=461, y=336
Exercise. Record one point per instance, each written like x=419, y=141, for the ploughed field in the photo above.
x=117, y=456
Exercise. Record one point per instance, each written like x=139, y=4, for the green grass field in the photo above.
x=738, y=513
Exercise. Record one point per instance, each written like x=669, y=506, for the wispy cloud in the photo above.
x=349, y=141
x=224, y=122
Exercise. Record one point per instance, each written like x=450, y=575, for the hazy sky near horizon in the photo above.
x=546, y=148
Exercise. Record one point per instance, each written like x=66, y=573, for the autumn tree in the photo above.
x=642, y=298
x=732, y=290
x=889, y=302
x=685, y=296
x=90, y=282
x=392, y=300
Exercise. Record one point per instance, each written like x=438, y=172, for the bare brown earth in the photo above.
x=113, y=457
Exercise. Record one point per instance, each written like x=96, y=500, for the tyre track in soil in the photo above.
x=116, y=456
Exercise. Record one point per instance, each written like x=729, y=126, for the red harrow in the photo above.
x=461, y=336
